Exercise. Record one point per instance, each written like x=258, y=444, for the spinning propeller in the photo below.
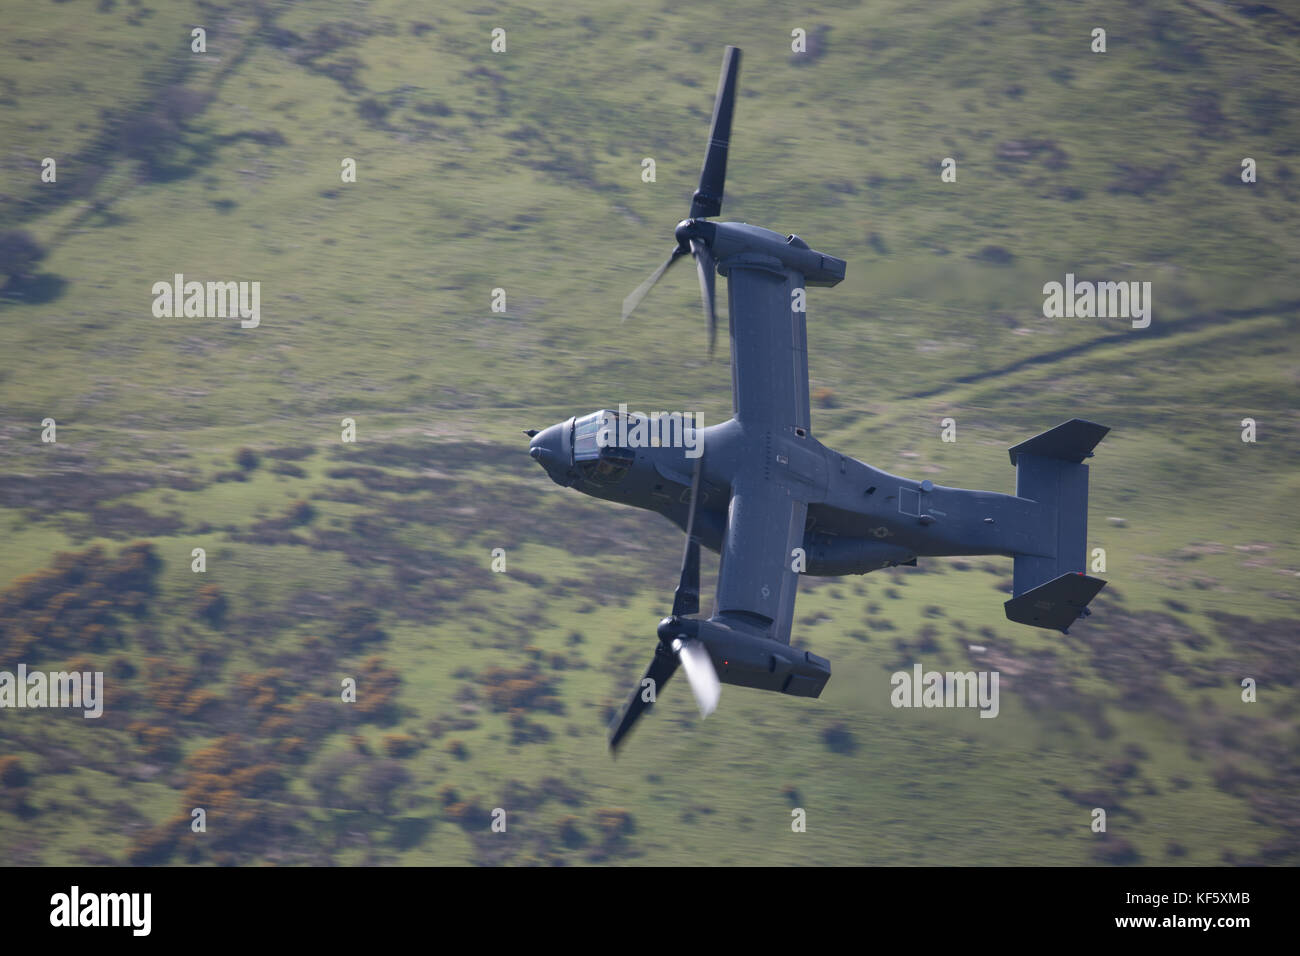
x=695, y=234
x=677, y=643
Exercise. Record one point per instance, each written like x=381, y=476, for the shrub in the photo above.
x=19, y=252
x=400, y=745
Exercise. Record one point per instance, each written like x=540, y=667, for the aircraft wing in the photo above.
x=756, y=580
x=769, y=348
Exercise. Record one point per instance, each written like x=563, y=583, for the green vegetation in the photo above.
x=522, y=171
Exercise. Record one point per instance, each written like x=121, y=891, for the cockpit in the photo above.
x=597, y=457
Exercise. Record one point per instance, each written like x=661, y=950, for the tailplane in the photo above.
x=1051, y=588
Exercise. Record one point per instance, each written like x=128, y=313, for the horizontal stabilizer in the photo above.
x=1056, y=604
x=1070, y=441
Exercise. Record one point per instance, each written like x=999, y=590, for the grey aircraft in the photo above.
x=774, y=502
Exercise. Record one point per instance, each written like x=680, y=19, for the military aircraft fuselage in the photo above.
x=859, y=519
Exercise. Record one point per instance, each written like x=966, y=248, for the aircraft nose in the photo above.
x=544, y=448
x=550, y=449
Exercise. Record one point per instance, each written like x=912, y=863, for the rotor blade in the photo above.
x=701, y=674
x=662, y=666
x=641, y=291
x=686, y=599
x=708, y=282
x=707, y=200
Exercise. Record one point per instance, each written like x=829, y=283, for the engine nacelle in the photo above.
x=746, y=659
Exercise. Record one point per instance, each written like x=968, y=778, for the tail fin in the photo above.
x=1050, y=470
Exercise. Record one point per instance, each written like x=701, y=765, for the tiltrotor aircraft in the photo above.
x=775, y=502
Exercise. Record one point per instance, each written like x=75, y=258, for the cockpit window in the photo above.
x=602, y=465
x=585, y=429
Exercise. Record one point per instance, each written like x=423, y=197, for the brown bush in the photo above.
x=615, y=822
x=156, y=845
x=519, y=690
x=76, y=603
x=377, y=688
x=210, y=605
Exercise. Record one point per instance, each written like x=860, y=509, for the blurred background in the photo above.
x=521, y=170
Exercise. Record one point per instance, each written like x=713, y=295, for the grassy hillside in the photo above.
x=522, y=171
